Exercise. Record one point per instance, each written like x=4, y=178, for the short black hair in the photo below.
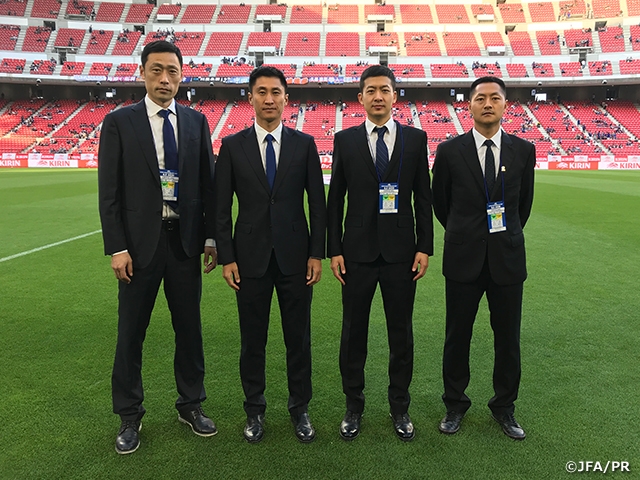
x=377, y=71
x=266, y=71
x=489, y=79
x=160, y=46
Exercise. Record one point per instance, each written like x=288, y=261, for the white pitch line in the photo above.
x=34, y=250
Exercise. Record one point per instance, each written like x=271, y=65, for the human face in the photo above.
x=378, y=97
x=162, y=75
x=268, y=99
x=487, y=106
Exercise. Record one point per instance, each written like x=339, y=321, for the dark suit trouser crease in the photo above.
x=254, y=306
x=398, y=294
x=505, y=306
x=182, y=288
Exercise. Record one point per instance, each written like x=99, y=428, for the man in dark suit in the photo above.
x=482, y=196
x=382, y=165
x=269, y=167
x=156, y=207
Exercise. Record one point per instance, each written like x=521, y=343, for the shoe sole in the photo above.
x=123, y=452
x=349, y=439
x=449, y=432
x=253, y=440
x=182, y=420
x=305, y=440
x=505, y=432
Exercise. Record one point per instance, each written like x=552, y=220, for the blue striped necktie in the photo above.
x=382, y=153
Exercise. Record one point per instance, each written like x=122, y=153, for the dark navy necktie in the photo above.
x=382, y=153
x=271, y=160
x=489, y=166
x=170, y=146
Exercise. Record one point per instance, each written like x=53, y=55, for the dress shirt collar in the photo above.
x=480, y=139
x=261, y=133
x=153, y=108
x=391, y=126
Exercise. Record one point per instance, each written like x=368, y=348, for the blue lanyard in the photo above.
x=398, y=130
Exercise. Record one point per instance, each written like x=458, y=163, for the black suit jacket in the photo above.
x=459, y=201
x=367, y=233
x=269, y=220
x=130, y=195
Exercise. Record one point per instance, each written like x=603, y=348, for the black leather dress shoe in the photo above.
x=350, y=426
x=128, y=439
x=450, y=424
x=303, y=428
x=199, y=422
x=254, y=428
x=510, y=427
x=403, y=426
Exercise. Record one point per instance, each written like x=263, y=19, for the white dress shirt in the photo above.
x=372, y=137
x=261, y=133
x=482, y=150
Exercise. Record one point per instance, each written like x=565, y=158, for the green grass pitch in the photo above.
x=580, y=349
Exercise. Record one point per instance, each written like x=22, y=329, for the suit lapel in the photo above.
x=470, y=157
x=142, y=129
x=363, y=147
x=288, y=147
x=252, y=152
x=507, y=156
x=184, y=127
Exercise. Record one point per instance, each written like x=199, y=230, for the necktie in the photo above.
x=271, y=160
x=489, y=166
x=169, y=138
x=382, y=154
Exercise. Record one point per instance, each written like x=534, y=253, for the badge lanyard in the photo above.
x=496, y=219
x=389, y=192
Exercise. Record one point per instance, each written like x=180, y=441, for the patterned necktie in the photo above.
x=169, y=138
x=489, y=166
x=271, y=160
x=382, y=153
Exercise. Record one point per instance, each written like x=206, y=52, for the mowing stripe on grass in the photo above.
x=44, y=247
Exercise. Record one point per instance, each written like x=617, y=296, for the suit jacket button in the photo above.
x=272, y=201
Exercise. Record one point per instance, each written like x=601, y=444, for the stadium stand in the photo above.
x=110, y=12
x=542, y=12
x=512, y=12
x=342, y=44
x=420, y=44
x=139, y=13
x=600, y=68
x=452, y=14
x=126, y=43
x=9, y=36
x=549, y=42
x=571, y=9
x=42, y=67
x=222, y=43
x=169, y=9
x=520, y=43
x=611, y=39
x=542, y=69
x=233, y=14
x=570, y=69
x=606, y=8
x=379, y=9
x=99, y=42
x=461, y=44
x=630, y=66
x=448, y=70
x=198, y=14
x=343, y=14
x=306, y=14
x=304, y=44
x=517, y=70
x=13, y=8
x=189, y=43
x=578, y=38
x=36, y=39
x=70, y=37
x=322, y=70
x=635, y=37
x=80, y=8
x=192, y=69
x=126, y=70
x=407, y=70
x=416, y=14
x=46, y=8
x=70, y=69
x=265, y=39
x=12, y=65
x=435, y=118
x=100, y=68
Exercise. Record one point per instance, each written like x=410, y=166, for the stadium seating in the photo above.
x=435, y=119
x=36, y=39
x=448, y=70
x=272, y=9
x=578, y=38
x=100, y=68
x=17, y=112
x=319, y=119
x=606, y=8
x=70, y=37
x=570, y=69
x=381, y=39
x=461, y=44
x=303, y=44
x=42, y=67
x=233, y=70
x=12, y=65
x=13, y=8
x=306, y=14
x=416, y=14
x=482, y=9
x=542, y=12
x=421, y=44
x=512, y=12
x=169, y=9
x=223, y=44
x=322, y=70
x=492, y=39
x=126, y=43
x=80, y=7
x=70, y=69
x=110, y=12
x=198, y=14
x=633, y=8
x=354, y=69
x=635, y=37
x=627, y=115
x=630, y=67
x=193, y=69
x=45, y=9
x=482, y=69
x=265, y=39
x=379, y=9
x=139, y=13
x=289, y=70
x=233, y=14
x=212, y=109
x=342, y=44
x=407, y=70
x=452, y=14
x=347, y=14
x=611, y=39
x=542, y=69
x=9, y=36
x=549, y=42
x=189, y=43
x=126, y=70
x=516, y=70
x=571, y=9
x=600, y=68
x=98, y=42
x=520, y=43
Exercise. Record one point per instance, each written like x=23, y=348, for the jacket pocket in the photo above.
x=456, y=238
x=517, y=240
x=243, y=228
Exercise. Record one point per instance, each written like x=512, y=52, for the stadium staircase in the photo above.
x=178, y=19
x=338, y=117
x=222, y=122
x=243, y=44
x=455, y=119
x=20, y=41
x=541, y=129
x=415, y=116
x=287, y=17
x=300, y=122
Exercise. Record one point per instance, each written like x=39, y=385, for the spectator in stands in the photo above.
x=484, y=252
x=265, y=252
x=379, y=245
x=160, y=241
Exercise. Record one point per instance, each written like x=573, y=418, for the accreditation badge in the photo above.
x=169, y=182
x=495, y=217
x=389, y=197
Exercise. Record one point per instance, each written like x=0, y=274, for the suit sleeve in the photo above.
x=335, y=202
x=207, y=169
x=223, y=203
x=441, y=186
x=317, y=202
x=526, y=188
x=422, y=201
x=110, y=187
